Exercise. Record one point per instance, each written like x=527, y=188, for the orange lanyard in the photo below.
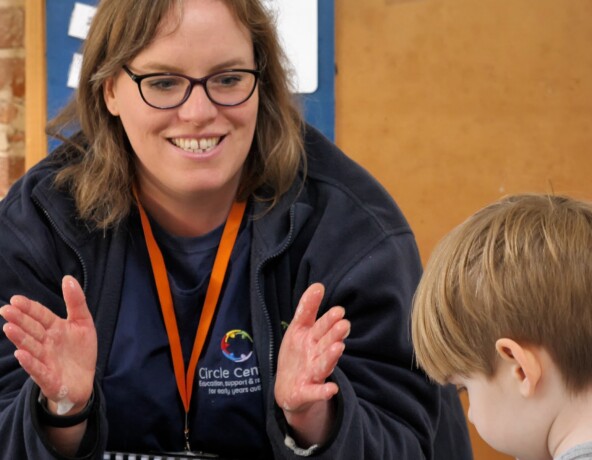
x=229, y=234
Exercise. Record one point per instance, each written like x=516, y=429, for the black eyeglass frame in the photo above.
x=193, y=82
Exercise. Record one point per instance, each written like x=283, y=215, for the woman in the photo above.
x=191, y=218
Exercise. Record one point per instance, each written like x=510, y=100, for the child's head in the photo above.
x=517, y=273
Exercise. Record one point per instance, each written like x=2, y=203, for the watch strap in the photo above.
x=63, y=421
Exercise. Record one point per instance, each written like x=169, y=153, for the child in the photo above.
x=504, y=310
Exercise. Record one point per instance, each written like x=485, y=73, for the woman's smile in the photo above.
x=196, y=145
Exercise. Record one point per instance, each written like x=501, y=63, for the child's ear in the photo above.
x=525, y=365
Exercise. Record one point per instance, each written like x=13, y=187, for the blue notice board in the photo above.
x=318, y=100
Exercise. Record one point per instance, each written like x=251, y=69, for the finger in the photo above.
x=7, y=328
x=38, y=372
x=325, y=363
x=327, y=322
x=322, y=392
x=336, y=334
x=329, y=390
x=35, y=310
x=306, y=395
x=75, y=300
x=308, y=307
x=23, y=341
x=26, y=323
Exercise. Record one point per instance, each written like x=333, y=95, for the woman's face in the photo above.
x=199, y=147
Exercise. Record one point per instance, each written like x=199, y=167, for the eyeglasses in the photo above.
x=166, y=90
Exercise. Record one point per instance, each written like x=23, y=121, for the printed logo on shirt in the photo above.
x=237, y=345
x=234, y=374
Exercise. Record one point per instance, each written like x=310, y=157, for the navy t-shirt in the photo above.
x=144, y=409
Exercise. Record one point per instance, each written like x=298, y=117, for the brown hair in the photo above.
x=101, y=172
x=520, y=268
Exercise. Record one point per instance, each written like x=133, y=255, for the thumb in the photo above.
x=75, y=300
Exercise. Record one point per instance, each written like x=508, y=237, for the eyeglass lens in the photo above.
x=227, y=88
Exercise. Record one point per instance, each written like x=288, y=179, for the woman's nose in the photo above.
x=198, y=108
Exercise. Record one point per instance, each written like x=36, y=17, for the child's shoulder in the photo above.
x=579, y=452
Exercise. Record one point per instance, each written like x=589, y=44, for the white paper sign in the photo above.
x=80, y=20
x=74, y=72
x=297, y=22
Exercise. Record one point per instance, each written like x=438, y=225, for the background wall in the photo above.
x=452, y=104
x=12, y=91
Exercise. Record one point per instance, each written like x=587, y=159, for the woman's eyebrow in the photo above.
x=154, y=66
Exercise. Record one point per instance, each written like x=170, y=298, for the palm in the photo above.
x=59, y=354
x=309, y=352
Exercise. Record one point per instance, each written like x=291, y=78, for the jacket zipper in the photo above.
x=63, y=238
x=262, y=297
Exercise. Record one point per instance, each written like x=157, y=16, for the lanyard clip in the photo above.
x=186, y=433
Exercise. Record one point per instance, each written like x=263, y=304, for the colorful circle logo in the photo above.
x=237, y=345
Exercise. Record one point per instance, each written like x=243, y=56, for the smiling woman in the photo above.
x=190, y=190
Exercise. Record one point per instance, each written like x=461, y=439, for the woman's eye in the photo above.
x=227, y=80
x=163, y=84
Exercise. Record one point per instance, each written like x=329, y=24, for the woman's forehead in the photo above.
x=207, y=33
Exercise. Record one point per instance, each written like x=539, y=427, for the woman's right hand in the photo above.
x=59, y=354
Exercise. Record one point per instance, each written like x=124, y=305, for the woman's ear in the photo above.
x=524, y=363
x=109, y=96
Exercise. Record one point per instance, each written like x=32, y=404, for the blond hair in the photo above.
x=100, y=170
x=520, y=268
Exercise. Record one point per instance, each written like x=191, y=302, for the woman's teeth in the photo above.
x=196, y=145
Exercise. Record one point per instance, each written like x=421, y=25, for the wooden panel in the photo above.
x=35, y=101
x=452, y=104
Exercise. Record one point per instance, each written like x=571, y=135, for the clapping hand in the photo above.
x=308, y=354
x=59, y=354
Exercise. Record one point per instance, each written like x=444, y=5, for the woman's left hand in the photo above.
x=308, y=354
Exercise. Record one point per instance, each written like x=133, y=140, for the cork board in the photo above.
x=35, y=106
x=452, y=104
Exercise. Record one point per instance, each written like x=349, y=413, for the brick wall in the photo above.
x=12, y=92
